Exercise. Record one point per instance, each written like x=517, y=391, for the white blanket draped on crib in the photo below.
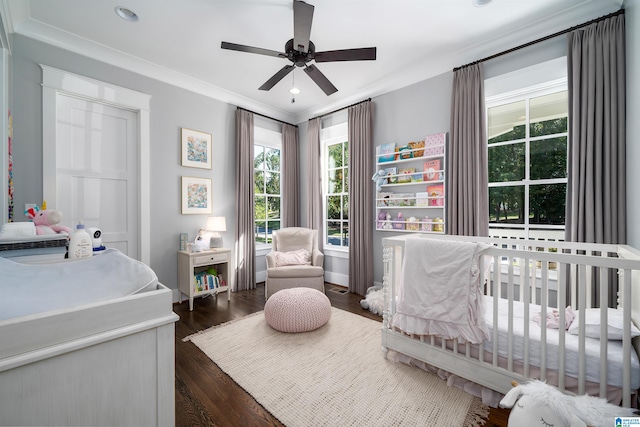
x=441, y=290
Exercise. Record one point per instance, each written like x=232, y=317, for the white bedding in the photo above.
x=27, y=289
x=592, y=352
x=440, y=292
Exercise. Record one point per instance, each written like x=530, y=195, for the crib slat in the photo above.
x=562, y=303
x=582, y=301
x=510, y=286
x=626, y=339
x=496, y=294
x=526, y=291
x=604, y=303
x=544, y=305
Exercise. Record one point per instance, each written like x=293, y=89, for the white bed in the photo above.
x=85, y=342
x=517, y=290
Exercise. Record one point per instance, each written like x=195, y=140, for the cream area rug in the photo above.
x=333, y=376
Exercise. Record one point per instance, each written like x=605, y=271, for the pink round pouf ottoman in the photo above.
x=297, y=310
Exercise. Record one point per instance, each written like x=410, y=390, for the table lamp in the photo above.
x=214, y=225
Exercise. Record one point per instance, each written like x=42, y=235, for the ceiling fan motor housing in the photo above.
x=300, y=59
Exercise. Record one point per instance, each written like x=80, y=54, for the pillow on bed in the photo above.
x=299, y=257
x=592, y=324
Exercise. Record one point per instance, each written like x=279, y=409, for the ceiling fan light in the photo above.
x=294, y=90
x=126, y=14
x=480, y=3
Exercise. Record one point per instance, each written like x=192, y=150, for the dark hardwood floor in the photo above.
x=206, y=396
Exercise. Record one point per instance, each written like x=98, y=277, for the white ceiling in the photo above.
x=178, y=41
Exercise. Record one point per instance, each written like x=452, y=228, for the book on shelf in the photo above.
x=432, y=170
x=436, y=194
x=383, y=199
x=416, y=177
x=434, y=144
x=404, y=152
x=422, y=199
x=416, y=146
x=386, y=152
x=391, y=173
x=404, y=174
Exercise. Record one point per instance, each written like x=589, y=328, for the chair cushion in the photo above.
x=295, y=271
x=297, y=310
x=294, y=238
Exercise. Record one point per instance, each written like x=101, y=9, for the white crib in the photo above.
x=525, y=278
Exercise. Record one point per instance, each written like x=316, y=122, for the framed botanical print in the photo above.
x=196, y=195
x=196, y=149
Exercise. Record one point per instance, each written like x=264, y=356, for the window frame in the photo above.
x=336, y=134
x=554, y=231
x=268, y=139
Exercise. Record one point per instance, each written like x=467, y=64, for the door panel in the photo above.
x=96, y=153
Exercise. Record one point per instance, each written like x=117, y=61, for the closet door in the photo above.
x=96, y=168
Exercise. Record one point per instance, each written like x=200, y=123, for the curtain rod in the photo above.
x=266, y=117
x=340, y=109
x=559, y=33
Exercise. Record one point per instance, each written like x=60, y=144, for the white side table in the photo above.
x=191, y=263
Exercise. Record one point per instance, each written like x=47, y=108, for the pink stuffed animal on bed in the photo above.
x=47, y=221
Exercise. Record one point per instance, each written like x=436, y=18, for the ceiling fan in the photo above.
x=300, y=51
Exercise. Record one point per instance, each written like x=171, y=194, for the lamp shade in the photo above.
x=216, y=223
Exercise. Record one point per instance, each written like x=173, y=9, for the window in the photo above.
x=336, y=185
x=266, y=182
x=527, y=152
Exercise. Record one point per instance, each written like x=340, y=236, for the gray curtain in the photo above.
x=467, y=192
x=313, y=172
x=596, y=203
x=290, y=177
x=361, y=215
x=245, y=243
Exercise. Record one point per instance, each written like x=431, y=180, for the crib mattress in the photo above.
x=27, y=289
x=592, y=345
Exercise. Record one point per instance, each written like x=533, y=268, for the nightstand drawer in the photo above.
x=210, y=259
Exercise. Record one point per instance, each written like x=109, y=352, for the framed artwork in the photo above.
x=196, y=195
x=196, y=149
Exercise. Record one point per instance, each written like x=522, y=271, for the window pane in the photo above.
x=258, y=182
x=334, y=155
x=548, y=158
x=335, y=181
x=333, y=233
x=271, y=227
x=333, y=207
x=273, y=204
x=506, y=122
x=345, y=234
x=345, y=207
x=272, y=159
x=506, y=162
x=547, y=203
x=258, y=157
x=346, y=180
x=261, y=208
x=272, y=184
x=261, y=232
x=506, y=204
x=346, y=152
x=548, y=114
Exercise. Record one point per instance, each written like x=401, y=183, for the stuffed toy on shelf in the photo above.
x=47, y=221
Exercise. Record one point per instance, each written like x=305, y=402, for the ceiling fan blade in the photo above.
x=251, y=49
x=277, y=77
x=302, y=18
x=320, y=79
x=363, y=54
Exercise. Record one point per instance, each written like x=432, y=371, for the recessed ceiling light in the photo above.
x=480, y=3
x=126, y=14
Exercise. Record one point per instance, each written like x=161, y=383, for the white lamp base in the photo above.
x=216, y=242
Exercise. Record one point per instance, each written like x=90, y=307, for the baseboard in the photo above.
x=336, y=278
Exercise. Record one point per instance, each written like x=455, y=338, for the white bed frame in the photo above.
x=108, y=363
x=517, y=261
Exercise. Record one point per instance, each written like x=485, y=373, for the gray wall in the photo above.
x=171, y=109
x=632, y=21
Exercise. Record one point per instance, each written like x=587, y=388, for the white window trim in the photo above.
x=331, y=135
x=270, y=139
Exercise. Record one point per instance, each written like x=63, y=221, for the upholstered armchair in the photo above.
x=294, y=261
